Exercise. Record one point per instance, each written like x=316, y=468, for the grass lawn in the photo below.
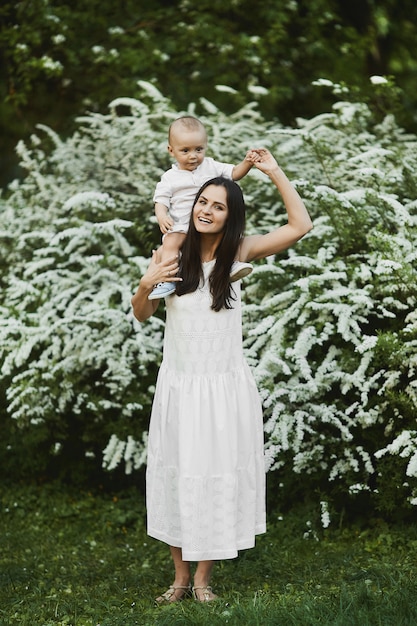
x=83, y=559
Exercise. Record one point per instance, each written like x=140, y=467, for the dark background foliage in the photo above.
x=99, y=50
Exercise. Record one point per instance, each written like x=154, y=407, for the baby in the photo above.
x=176, y=191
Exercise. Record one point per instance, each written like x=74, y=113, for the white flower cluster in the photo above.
x=314, y=337
x=325, y=515
x=132, y=452
x=405, y=446
x=51, y=66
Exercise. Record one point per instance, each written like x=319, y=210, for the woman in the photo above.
x=205, y=471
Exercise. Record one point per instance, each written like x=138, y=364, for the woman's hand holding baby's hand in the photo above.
x=264, y=161
x=253, y=155
x=160, y=271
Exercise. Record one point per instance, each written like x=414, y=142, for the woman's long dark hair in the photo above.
x=191, y=269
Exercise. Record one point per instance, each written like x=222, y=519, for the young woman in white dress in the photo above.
x=205, y=483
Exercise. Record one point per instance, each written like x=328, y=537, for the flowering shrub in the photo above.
x=330, y=326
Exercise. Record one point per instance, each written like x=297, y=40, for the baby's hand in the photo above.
x=266, y=162
x=254, y=155
x=165, y=223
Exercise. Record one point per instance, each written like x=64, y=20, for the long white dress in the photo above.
x=205, y=469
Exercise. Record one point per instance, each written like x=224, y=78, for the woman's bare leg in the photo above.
x=182, y=578
x=202, y=576
x=182, y=568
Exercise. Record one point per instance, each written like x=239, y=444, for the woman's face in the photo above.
x=210, y=211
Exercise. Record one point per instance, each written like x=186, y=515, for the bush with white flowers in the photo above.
x=330, y=326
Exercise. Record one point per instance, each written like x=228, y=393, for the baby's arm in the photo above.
x=164, y=219
x=241, y=169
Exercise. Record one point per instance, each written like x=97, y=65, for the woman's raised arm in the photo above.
x=299, y=222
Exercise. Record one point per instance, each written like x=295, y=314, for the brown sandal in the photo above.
x=170, y=594
x=207, y=593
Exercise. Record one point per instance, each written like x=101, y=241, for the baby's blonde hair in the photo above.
x=187, y=122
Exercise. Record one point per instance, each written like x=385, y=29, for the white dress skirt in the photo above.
x=205, y=479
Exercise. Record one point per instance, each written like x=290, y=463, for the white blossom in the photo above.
x=115, y=30
x=225, y=89
x=325, y=515
x=368, y=343
x=258, y=90
x=322, y=82
x=51, y=65
x=59, y=38
x=378, y=80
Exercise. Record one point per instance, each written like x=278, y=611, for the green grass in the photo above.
x=82, y=559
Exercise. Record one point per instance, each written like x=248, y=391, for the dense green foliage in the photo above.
x=60, y=58
x=330, y=327
x=83, y=559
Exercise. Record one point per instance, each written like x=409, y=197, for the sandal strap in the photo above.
x=206, y=589
x=171, y=591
